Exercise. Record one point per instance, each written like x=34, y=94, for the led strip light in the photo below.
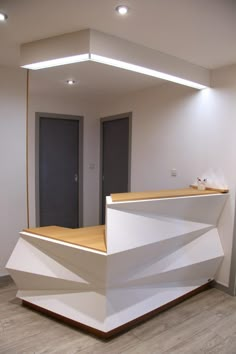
x=116, y=63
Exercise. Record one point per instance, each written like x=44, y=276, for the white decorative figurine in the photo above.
x=201, y=184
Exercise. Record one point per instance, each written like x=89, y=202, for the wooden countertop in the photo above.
x=172, y=193
x=94, y=237
x=90, y=237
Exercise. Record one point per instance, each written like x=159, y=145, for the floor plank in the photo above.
x=206, y=323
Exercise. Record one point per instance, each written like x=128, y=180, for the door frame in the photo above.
x=38, y=116
x=106, y=119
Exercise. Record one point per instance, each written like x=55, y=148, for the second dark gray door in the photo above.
x=115, y=158
x=58, y=172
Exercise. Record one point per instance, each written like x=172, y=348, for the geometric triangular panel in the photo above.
x=202, y=209
x=200, y=271
x=86, y=307
x=128, y=230
x=201, y=249
x=41, y=282
x=88, y=265
x=35, y=261
x=125, y=265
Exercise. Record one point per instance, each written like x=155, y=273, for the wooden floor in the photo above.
x=205, y=323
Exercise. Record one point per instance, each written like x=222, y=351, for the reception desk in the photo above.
x=156, y=249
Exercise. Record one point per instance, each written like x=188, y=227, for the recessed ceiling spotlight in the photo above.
x=122, y=9
x=3, y=17
x=70, y=82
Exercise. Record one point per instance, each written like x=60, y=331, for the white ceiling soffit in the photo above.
x=103, y=48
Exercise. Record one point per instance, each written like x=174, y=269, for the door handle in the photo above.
x=76, y=177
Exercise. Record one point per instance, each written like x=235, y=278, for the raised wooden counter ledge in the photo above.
x=89, y=237
x=171, y=193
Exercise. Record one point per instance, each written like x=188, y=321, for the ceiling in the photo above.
x=199, y=31
x=93, y=81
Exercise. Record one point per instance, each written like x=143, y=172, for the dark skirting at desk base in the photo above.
x=126, y=326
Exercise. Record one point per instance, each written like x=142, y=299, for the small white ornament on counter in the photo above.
x=201, y=184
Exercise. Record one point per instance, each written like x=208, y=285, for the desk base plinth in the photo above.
x=125, y=327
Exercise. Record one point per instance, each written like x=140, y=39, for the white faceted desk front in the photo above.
x=158, y=251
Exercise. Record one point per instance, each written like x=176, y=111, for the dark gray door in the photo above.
x=115, y=158
x=58, y=172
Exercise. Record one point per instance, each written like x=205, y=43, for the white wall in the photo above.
x=192, y=131
x=12, y=160
x=71, y=106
